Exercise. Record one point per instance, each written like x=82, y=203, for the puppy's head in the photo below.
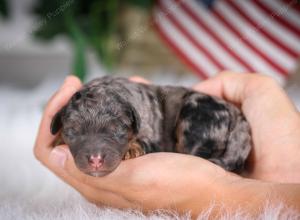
x=97, y=124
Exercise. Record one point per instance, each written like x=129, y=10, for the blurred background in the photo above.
x=176, y=42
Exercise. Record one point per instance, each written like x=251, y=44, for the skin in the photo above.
x=272, y=172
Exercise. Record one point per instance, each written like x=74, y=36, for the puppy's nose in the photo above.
x=96, y=161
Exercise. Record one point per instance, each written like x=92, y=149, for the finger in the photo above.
x=65, y=167
x=264, y=103
x=210, y=86
x=228, y=85
x=238, y=88
x=122, y=181
x=139, y=79
x=71, y=83
x=60, y=98
x=58, y=158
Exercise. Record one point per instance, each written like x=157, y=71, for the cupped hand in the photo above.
x=274, y=121
x=184, y=182
x=161, y=180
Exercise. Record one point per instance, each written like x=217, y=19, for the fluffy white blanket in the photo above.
x=29, y=191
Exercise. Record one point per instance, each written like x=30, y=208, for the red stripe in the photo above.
x=248, y=44
x=202, y=25
x=190, y=37
x=280, y=19
x=200, y=72
x=288, y=50
x=292, y=3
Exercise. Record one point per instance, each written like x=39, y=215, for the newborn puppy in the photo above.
x=111, y=119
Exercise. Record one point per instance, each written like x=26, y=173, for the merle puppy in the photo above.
x=111, y=119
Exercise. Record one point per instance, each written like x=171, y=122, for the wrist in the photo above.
x=211, y=191
x=230, y=193
x=281, y=167
x=253, y=196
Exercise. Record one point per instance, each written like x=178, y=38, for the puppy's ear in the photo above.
x=135, y=120
x=56, y=122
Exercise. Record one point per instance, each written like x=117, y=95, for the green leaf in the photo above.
x=4, y=8
x=146, y=4
x=50, y=29
x=87, y=23
x=79, y=41
x=50, y=14
x=79, y=61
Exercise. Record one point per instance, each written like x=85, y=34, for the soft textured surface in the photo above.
x=29, y=191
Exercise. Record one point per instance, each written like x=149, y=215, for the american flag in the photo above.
x=240, y=35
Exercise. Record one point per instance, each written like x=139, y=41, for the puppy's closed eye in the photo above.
x=89, y=95
x=77, y=95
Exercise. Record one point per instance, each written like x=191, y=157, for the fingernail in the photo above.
x=67, y=78
x=67, y=86
x=58, y=156
x=66, y=81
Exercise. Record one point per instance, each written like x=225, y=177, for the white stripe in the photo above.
x=184, y=45
x=204, y=39
x=256, y=39
x=258, y=64
x=278, y=31
x=284, y=10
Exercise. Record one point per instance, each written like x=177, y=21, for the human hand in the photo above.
x=161, y=180
x=149, y=182
x=274, y=121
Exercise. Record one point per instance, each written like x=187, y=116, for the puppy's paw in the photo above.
x=134, y=151
x=58, y=140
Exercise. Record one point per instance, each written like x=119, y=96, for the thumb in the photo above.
x=58, y=156
x=228, y=85
x=61, y=162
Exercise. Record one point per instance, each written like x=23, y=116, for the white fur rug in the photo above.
x=29, y=191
